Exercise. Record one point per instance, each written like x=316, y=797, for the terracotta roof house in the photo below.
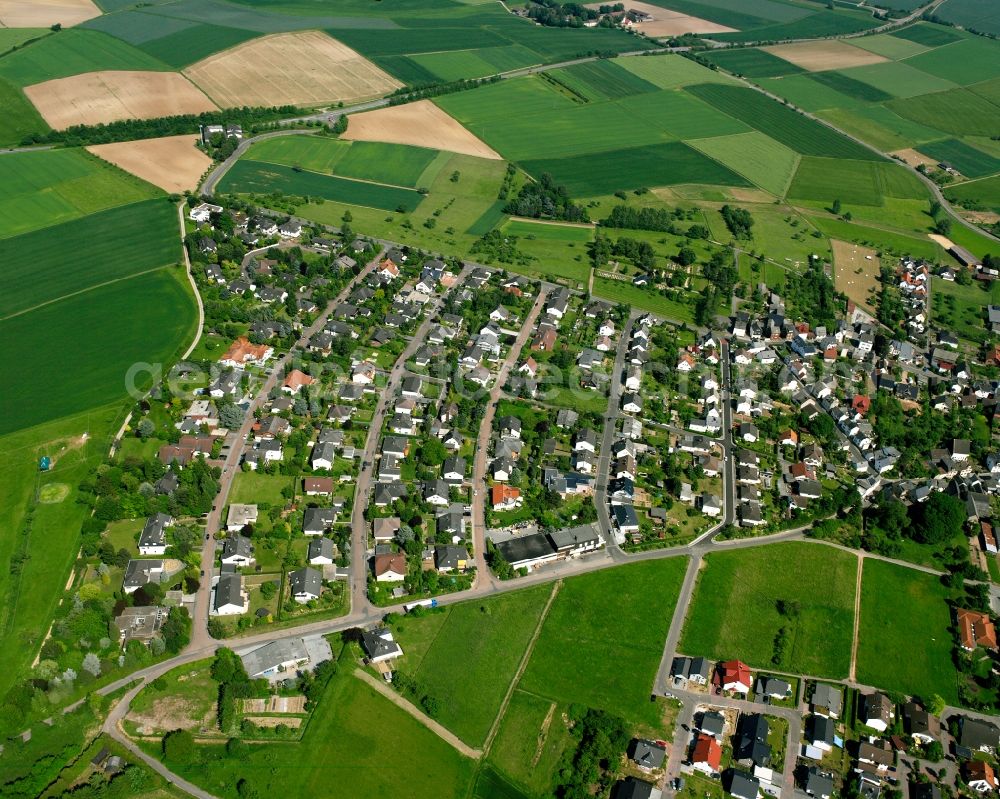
x=733, y=675
x=295, y=380
x=390, y=568
x=707, y=754
x=241, y=352
x=975, y=629
x=504, y=497
x=979, y=776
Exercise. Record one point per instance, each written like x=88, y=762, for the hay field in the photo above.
x=854, y=274
x=43, y=13
x=667, y=22
x=306, y=69
x=421, y=124
x=822, y=55
x=172, y=162
x=914, y=158
x=96, y=97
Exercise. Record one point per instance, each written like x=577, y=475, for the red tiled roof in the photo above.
x=707, y=750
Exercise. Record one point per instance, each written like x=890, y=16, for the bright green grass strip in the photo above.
x=19, y=119
x=681, y=116
x=394, y=164
x=316, y=153
x=898, y=79
x=829, y=179
x=894, y=48
x=673, y=71
x=805, y=93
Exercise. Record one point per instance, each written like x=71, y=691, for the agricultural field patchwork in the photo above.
x=48, y=187
x=744, y=600
x=757, y=157
x=48, y=264
x=255, y=177
x=753, y=63
x=972, y=14
x=966, y=159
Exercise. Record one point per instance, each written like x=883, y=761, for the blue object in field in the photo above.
x=44, y=463
x=434, y=603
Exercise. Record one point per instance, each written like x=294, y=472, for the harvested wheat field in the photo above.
x=421, y=124
x=307, y=69
x=914, y=158
x=854, y=274
x=666, y=22
x=44, y=13
x=173, y=162
x=944, y=241
x=96, y=97
x=820, y=56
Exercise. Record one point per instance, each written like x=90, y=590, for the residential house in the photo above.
x=237, y=550
x=706, y=755
x=389, y=568
x=875, y=711
x=230, y=597
x=305, y=584
x=153, y=538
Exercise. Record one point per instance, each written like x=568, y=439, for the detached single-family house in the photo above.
x=153, y=538
x=389, y=567
x=305, y=584
x=238, y=551
x=230, y=598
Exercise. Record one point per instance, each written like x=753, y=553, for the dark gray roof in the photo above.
x=154, y=532
x=238, y=545
x=321, y=547
x=227, y=592
x=646, y=753
x=306, y=581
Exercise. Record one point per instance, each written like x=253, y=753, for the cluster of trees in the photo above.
x=629, y=217
x=601, y=738
x=738, y=220
x=421, y=91
x=640, y=253
x=408, y=685
x=499, y=246
x=813, y=296
x=234, y=683
x=554, y=14
x=721, y=273
x=249, y=118
x=545, y=199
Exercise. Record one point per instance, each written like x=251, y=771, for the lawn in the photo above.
x=577, y=658
x=65, y=259
x=903, y=610
x=779, y=122
x=530, y=743
x=255, y=177
x=962, y=308
x=91, y=340
x=473, y=656
x=252, y=488
x=71, y=52
x=51, y=186
x=342, y=746
x=734, y=612
x=757, y=157
x=646, y=299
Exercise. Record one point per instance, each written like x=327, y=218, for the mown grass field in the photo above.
x=757, y=157
x=530, y=724
x=47, y=264
x=392, y=164
x=780, y=123
x=252, y=487
x=899, y=79
x=578, y=659
x=52, y=186
x=969, y=61
x=902, y=611
x=829, y=179
x=19, y=119
x=84, y=345
x=352, y=740
x=472, y=657
x=256, y=177
x=957, y=111
x=673, y=71
x=734, y=612
x=71, y=52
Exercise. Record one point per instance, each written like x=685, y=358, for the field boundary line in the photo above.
x=84, y=291
x=852, y=671
x=404, y=704
x=194, y=286
x=528, y=650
